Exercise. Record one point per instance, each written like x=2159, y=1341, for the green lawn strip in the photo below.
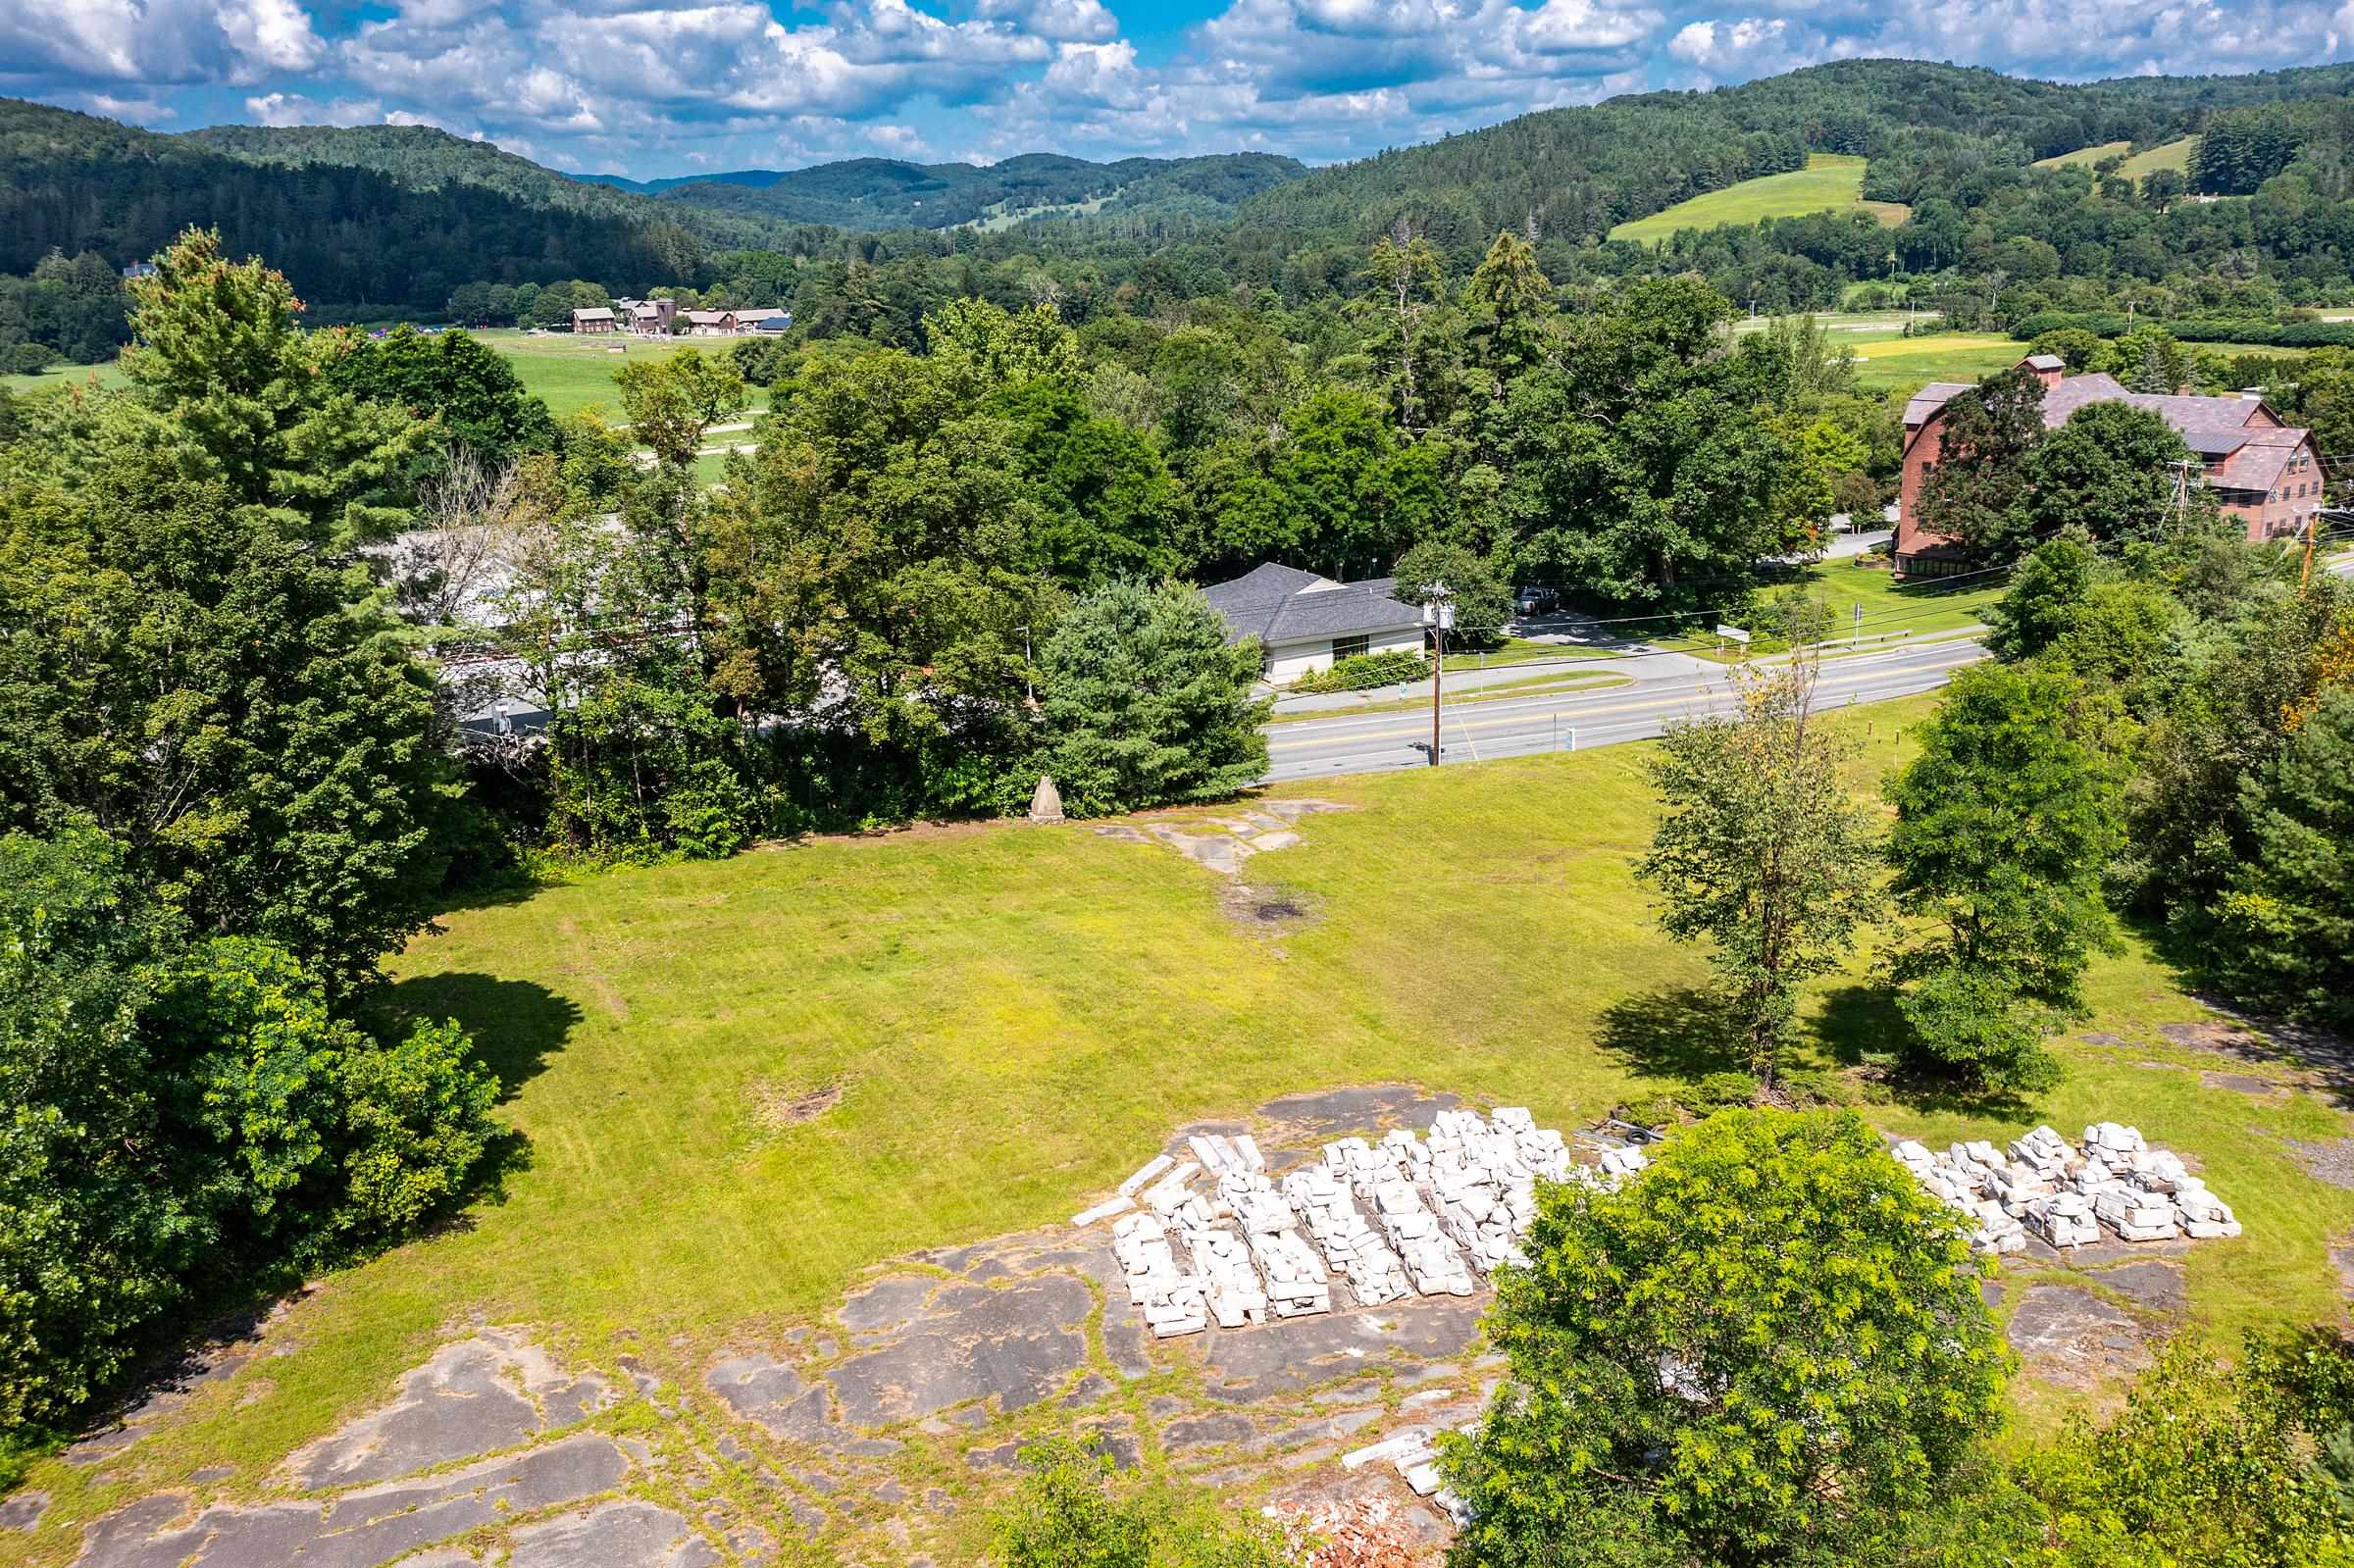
x=570, y=373
x=1531, y=686
x=1831, y=183
x=1528, y=651
x=1016, y=1016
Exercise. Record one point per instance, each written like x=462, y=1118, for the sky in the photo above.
x=648, y=88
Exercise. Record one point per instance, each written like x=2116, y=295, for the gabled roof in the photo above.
x=2258, y=461
x=598, y=314
x=1280, y=605
x=704, y=317
x=1933, y=398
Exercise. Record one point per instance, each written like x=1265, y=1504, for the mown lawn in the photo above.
x=2174, y=155
x=1903, y=365
x=1831, y=183
x=1014, y=1017
x=57, y=376
x=569, y=374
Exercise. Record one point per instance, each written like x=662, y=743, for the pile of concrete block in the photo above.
x=1392, y=1217
x=1431, y=1260
x=1229, y=1281
x=1296, y=1284
x=2045, y=1184
x=1350, y=1246
x=1171, y=1300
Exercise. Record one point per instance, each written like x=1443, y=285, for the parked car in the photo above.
x=1534, y=599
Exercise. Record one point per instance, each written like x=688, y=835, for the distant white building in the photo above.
x=1304, y=621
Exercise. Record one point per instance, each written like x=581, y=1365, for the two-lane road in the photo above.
x=1663, y=690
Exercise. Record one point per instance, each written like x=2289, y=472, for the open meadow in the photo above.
x=1831, y=183
x=2174, y=155
x=738, y=1087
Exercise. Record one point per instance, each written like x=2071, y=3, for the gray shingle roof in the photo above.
x=1283, y=604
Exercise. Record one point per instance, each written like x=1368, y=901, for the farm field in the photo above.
x=1831, y=183
x=2174, y=155
x=107, y=374
x=737, y=1086
x=570, y=373
x=1892, y=362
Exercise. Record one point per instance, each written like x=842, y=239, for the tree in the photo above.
x=91, y=1247
x=473, y=389
x=1509, y=306
x=1974, y=497
x=1071, y=1509
x=2114, y=470
x=2004, y=822
x=1768, y=1348
x=194, y=677
x=673, y=400
x=1762, y=850
x=227, y=390
x=1405, y=282
x=2207, y=1463
x=2044, y=597
x=1145, y=704
x=2287, y=921
x=1480, y=585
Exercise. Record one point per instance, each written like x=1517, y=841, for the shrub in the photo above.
x=1366, y=671
x=1720, y=1091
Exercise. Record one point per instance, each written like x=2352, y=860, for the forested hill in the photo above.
x=1575, y=173
x=869, y=194
x=349, y=233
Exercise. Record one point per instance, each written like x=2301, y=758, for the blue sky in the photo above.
x=645, y=88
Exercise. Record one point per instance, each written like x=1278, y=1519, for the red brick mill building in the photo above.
x=2265, y=473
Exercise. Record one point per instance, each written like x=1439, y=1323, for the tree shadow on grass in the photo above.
x=1860, y=1026
x=516, y=1023
x=1679, y=1032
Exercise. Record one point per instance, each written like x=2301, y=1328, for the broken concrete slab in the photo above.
x=2245, y=1083
x=1018, y=1343
x=2154, y=1284
x=491, y=1391
x=1295, y=1353
x=773, y=1394
x=891, y=1302
x=358, y=1530
x=2073, y=1337
x=613, y=1535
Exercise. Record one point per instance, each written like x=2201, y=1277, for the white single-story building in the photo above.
x=1304, y=621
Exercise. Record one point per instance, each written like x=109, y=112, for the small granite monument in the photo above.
x=1045, y=805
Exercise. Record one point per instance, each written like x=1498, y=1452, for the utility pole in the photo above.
x=1438, y=614
x=2313, y=527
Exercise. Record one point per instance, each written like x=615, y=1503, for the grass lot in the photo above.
x=569, y=374
x=1015, y=1015
x=1525, y=687
x=1899, y=364
x=1865, y=602
x=1831, y=183
x=109, y=374
x=2174, y=155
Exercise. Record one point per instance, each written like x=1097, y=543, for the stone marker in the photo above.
x=1046, y=802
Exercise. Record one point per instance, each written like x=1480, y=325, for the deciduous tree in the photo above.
x=1770, y=1347
x=1763, y=851
x=2004, y=822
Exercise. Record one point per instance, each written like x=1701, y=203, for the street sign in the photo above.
x=1732, y=634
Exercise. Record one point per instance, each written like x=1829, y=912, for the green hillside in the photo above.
x=1831, y=183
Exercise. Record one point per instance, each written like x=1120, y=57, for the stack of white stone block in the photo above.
x=1440, y=1208
x=2063, y=1193
x=1296, y=1281
x=1431, y=1260
x=1171, y=1300
x=1350, y=1246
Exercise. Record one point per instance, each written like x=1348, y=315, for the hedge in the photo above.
x=1366, y=671
x=2207, y=329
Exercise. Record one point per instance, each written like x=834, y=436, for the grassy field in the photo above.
x=1865, y=601
x=108, y=374
x=569, y=374
x=1899, y=364
x=1011, y=1015
x=1831, y=183
x=2174, y=155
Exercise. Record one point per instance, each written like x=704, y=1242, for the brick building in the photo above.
x=2267, y=473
